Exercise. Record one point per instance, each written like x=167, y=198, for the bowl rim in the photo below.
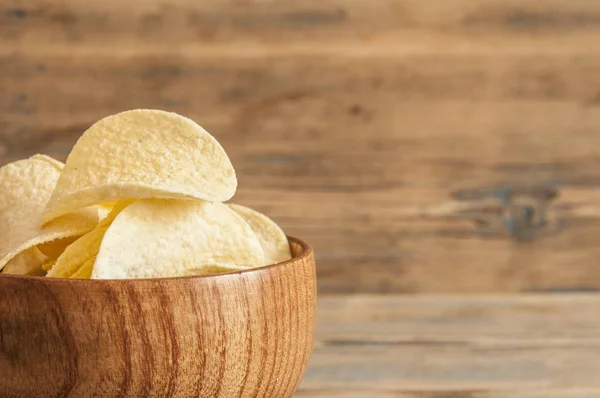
x=306, y=252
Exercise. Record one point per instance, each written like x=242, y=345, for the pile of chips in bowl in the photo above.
x=141, y=195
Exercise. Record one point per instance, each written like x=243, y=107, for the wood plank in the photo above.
x=518, y=109
x=352, y=123
x=453, y=346
x=34, y=25
x=349, y=158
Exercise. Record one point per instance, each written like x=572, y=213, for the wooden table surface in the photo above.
x=457, y=346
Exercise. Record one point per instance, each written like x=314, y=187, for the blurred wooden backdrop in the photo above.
x=367, y=127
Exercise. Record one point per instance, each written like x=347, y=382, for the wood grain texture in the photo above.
x=522, y=346
x=245, y=334
x=351, y=123
x=160, y=24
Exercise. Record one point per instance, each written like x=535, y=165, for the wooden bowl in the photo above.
x=243, y=334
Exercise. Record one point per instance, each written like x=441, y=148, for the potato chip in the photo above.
x=55, y=248
x=84, y=250
x=85, y=271
x=29, y=262
x=45, y=158
x=76, y=254
x=143, y=154
x=164, y=238
x=25, y=187
x=272, y=239
x=48, y=265
x=104, y=210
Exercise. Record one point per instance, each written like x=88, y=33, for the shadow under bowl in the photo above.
x=240, y=334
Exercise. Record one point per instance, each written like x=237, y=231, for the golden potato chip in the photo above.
x=168, y=237
x=272, y=239
x=25, y=187
x=45, y=158
x=55, y=248
x=48, y=265
x=142, y=154
x=29, y=262
x=80, y=251
x=104, y=211
x=85, y=271
x=84, y=250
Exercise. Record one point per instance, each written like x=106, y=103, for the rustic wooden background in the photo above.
x=352, y=123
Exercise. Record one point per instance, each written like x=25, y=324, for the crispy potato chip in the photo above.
x=85, y=271
x=29, y=262
x=84, y=250
x=55, y=248
x=45, y=158
x=48, y=265
x=25, y=187
x=142, y=154
x=76, y=254
x=104, y=210
x=164, y=238
x=272, y=239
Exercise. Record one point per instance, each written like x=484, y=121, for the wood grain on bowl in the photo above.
x=245, y=334
x=350, y=122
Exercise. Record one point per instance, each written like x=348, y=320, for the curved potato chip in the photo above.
x=143, y=154
x=76, y=254
x=104, y=209
x=55, y=248
x=164, y=238
x=48, y=265
x=272, y=239
x=85, y=271
x=25, y=187
x=45, y=158
x=29, y=262
x=84, y=250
